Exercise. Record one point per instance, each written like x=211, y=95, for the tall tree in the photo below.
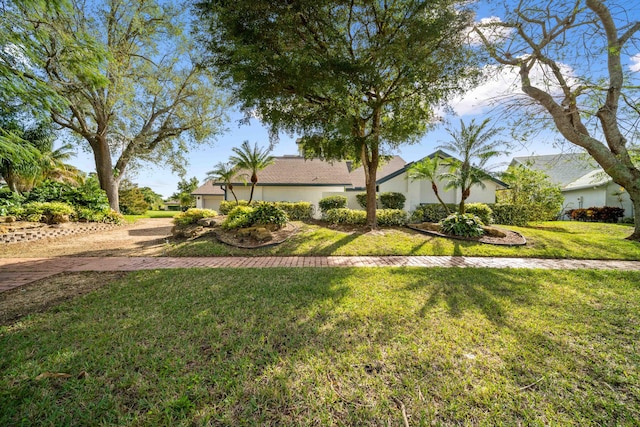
x=144, y=99
x=429, y=169
x=356, y=78
x=592, y=107
x=252, y=160
x=225, y=173
x=183, y=195
x=475, y=146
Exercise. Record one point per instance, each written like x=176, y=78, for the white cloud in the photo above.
x=493, y=33
x=635, y=62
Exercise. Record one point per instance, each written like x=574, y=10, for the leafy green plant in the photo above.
x=296, y=211
x=346, y=216
x=226, y=205
x=431, y=212
x=362, y=200
x=391, y=217
x=481, y=210
x=392, y=200
x=265, y=213
x=191, y=216
x=47, y=211
x=9, y=201
x=238, y=217
x=332, y=202
x=465, y=225
x=510, y=214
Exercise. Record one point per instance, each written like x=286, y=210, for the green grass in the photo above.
x=545, y=240
x=151, y=214
x=332, y=347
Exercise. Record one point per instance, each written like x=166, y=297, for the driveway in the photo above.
x=147, y=237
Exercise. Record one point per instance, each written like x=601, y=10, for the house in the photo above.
x=294, y=178
x=582, y=181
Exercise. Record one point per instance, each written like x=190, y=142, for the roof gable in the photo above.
x=569, y=170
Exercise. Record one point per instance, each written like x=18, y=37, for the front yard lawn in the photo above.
x=332, y=347
x=558, y=239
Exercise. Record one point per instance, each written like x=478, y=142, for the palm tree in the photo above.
x=253, y=160
x=475, y=146
x=224, y=172
x=428, y=169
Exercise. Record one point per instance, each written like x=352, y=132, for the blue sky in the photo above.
x=473, y=105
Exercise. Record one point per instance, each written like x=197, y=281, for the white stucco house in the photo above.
x=582, y=181
x=294, y=178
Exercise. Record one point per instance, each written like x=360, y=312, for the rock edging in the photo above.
x=45, y=232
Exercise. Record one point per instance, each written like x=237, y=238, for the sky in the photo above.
x=476, y=104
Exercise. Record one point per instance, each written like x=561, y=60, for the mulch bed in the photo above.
x=512, y=238
x=230, y=237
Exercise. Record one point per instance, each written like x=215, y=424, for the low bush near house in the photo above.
x=49, y=212
x=238, y=217
x=465, y=225
x=296, y=211
x=227, y=205
x=191, y=216
x=481, y=210
x=602, y=214
x=362, y=200
x=332, y=202
x=509, y=214
x=391, y=217
x=346, y=216
x=391, y=200
x=431, y=212
x=266, y=213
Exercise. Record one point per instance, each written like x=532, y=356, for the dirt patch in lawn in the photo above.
x=39, y=296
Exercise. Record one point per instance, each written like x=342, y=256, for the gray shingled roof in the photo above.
x=208, y=189
x=564, y=169
x=393, y=165
x=296, y=170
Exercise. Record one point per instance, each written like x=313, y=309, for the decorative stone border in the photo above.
x=46, y=232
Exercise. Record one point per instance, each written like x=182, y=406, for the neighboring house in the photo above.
x=293, y=178
x=583, y=182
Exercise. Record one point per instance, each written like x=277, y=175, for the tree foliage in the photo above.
x=225, y=173
x=183, y=195
x=122, y=78
x=355, y=78
x=429, y=169
x=252, y=160
x=532, y=192
x=586, y=94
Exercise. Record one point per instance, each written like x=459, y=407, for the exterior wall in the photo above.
x=622, y=201
x=209, y=202
x=584, y=198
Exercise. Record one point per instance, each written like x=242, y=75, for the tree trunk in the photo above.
x=635, y=199
x=104, y=168
x=434, y=187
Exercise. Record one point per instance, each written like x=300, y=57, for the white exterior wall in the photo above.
x=612, y=200
x=584, y=198
x=209, y=202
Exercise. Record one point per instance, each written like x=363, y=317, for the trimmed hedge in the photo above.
x=431, y=212
x=238, y=217
x=192, y=215
x=266, y=213
x=332, y=202
x=227, y=205
x=384, y=217
x=509, y=214
x=481, y=210
x=601, y=214
x=296, y=211
x=362, y=200
x=391, y=200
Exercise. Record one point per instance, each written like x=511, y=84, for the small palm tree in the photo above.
x=253, y=160
x=224, y=172
x=428, y=169
x=475, y=146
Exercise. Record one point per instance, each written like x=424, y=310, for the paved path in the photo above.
x=15, y=272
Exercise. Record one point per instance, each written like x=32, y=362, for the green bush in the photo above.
x=296, y=211
x=362, y=200
x=238, y=217
x=391, y=200
x=600, y=214
x=391, y=217
x=431, y=212
x=112, y=217
x=47, y=211
x=481, y=210
x=132, y=201
x=509, y=214
x=227, y=205
x=346, y=216
x=9, y=201
x=265, y=213
x=465, y=225
x=332, y=202
x=191, y=216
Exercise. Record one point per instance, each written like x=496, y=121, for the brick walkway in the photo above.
x=15, y=272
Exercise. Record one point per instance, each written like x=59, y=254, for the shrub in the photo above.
x=362, y=200
x=332, y=202
x=238, y=217
x=112, y=217
x=509, y=214
x=9, y=201
x=431, y=212
x=346, y=216
x=601, y=214
x=481, y=210
x=266, y=213
x=51, y=212
x=132, y=201
x=465, y=225
x=227, y=205
x=298, y=211
x=391, y=217
x=392, y=200
x=191, y=216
